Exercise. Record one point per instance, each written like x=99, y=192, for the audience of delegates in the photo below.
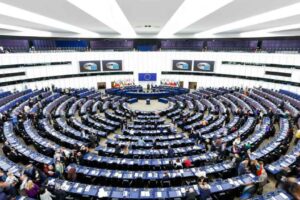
x=32, y=181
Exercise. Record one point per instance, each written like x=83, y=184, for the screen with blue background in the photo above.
x=147, y=76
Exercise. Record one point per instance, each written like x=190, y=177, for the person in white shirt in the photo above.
x=258, y=125
x=237, y=141
x=204, y=185
x=24, y=180
x=178, y=164
x=45, y=194
x=11, y=179
x=26, y=109
x=131, y=132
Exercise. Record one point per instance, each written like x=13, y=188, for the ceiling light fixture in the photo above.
x=269, y=31
x=276, y=14
x=25, y=31
x=22, y=14
x=188, y=13
x=109, y=13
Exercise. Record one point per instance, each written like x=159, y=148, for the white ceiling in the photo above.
x=128, y=18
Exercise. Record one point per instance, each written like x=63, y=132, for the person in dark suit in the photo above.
x=165, y=182
x=6, y=149
x=191, y=194
x=204, y=189
x=171, y=152
x=13, y=156
x=49, y=151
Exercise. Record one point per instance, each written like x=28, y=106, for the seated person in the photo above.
x=281, y=175
x=51, y=172
x=125, y=150
x=118, y=149
x=140, y=142
x=13, y=156
x=165, y=179
x=204, y=189
x=6, y=149
x=290, y=184
x=243, y=167
x=187, y=162
x=30, y=171
x=71, y=174
x=11, y=179
x=44, y=194
x=171, y=152
x=248, y=191
x=235, y=149
x=237, y=141
x=31, y=189
x=191, y=194
x=178, y=164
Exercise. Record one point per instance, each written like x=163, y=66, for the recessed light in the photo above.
x=108, y=12
x=19, y=13
x=190, y=12
x=284, y=12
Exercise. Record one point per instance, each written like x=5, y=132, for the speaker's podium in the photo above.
x=147, y=101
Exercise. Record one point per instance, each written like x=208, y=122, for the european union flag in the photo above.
x=147, y=76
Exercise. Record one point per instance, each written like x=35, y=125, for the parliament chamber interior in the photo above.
x=149, y=99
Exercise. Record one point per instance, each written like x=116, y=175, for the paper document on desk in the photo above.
x=125, y=193
x=158, y=194
x=51, y=182
x=252, y=176
x=79, y=190
x=102, y=193
x=283, y=196
x=87, y=188
x=271, y=167
x=182, y=190
x=236, y=183
x=64, y=186
x=219, y=187
x=145, y=193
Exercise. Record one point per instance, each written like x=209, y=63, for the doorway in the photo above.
x=101, y=85
x=193, y=85
x=181, y=84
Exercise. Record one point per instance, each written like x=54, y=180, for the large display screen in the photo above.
x=184, y=65
x=112, y=65
x=204, y=65
x=147, y=76
x=89, y=66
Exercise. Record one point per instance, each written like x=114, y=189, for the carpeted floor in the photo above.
x=154, y=105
